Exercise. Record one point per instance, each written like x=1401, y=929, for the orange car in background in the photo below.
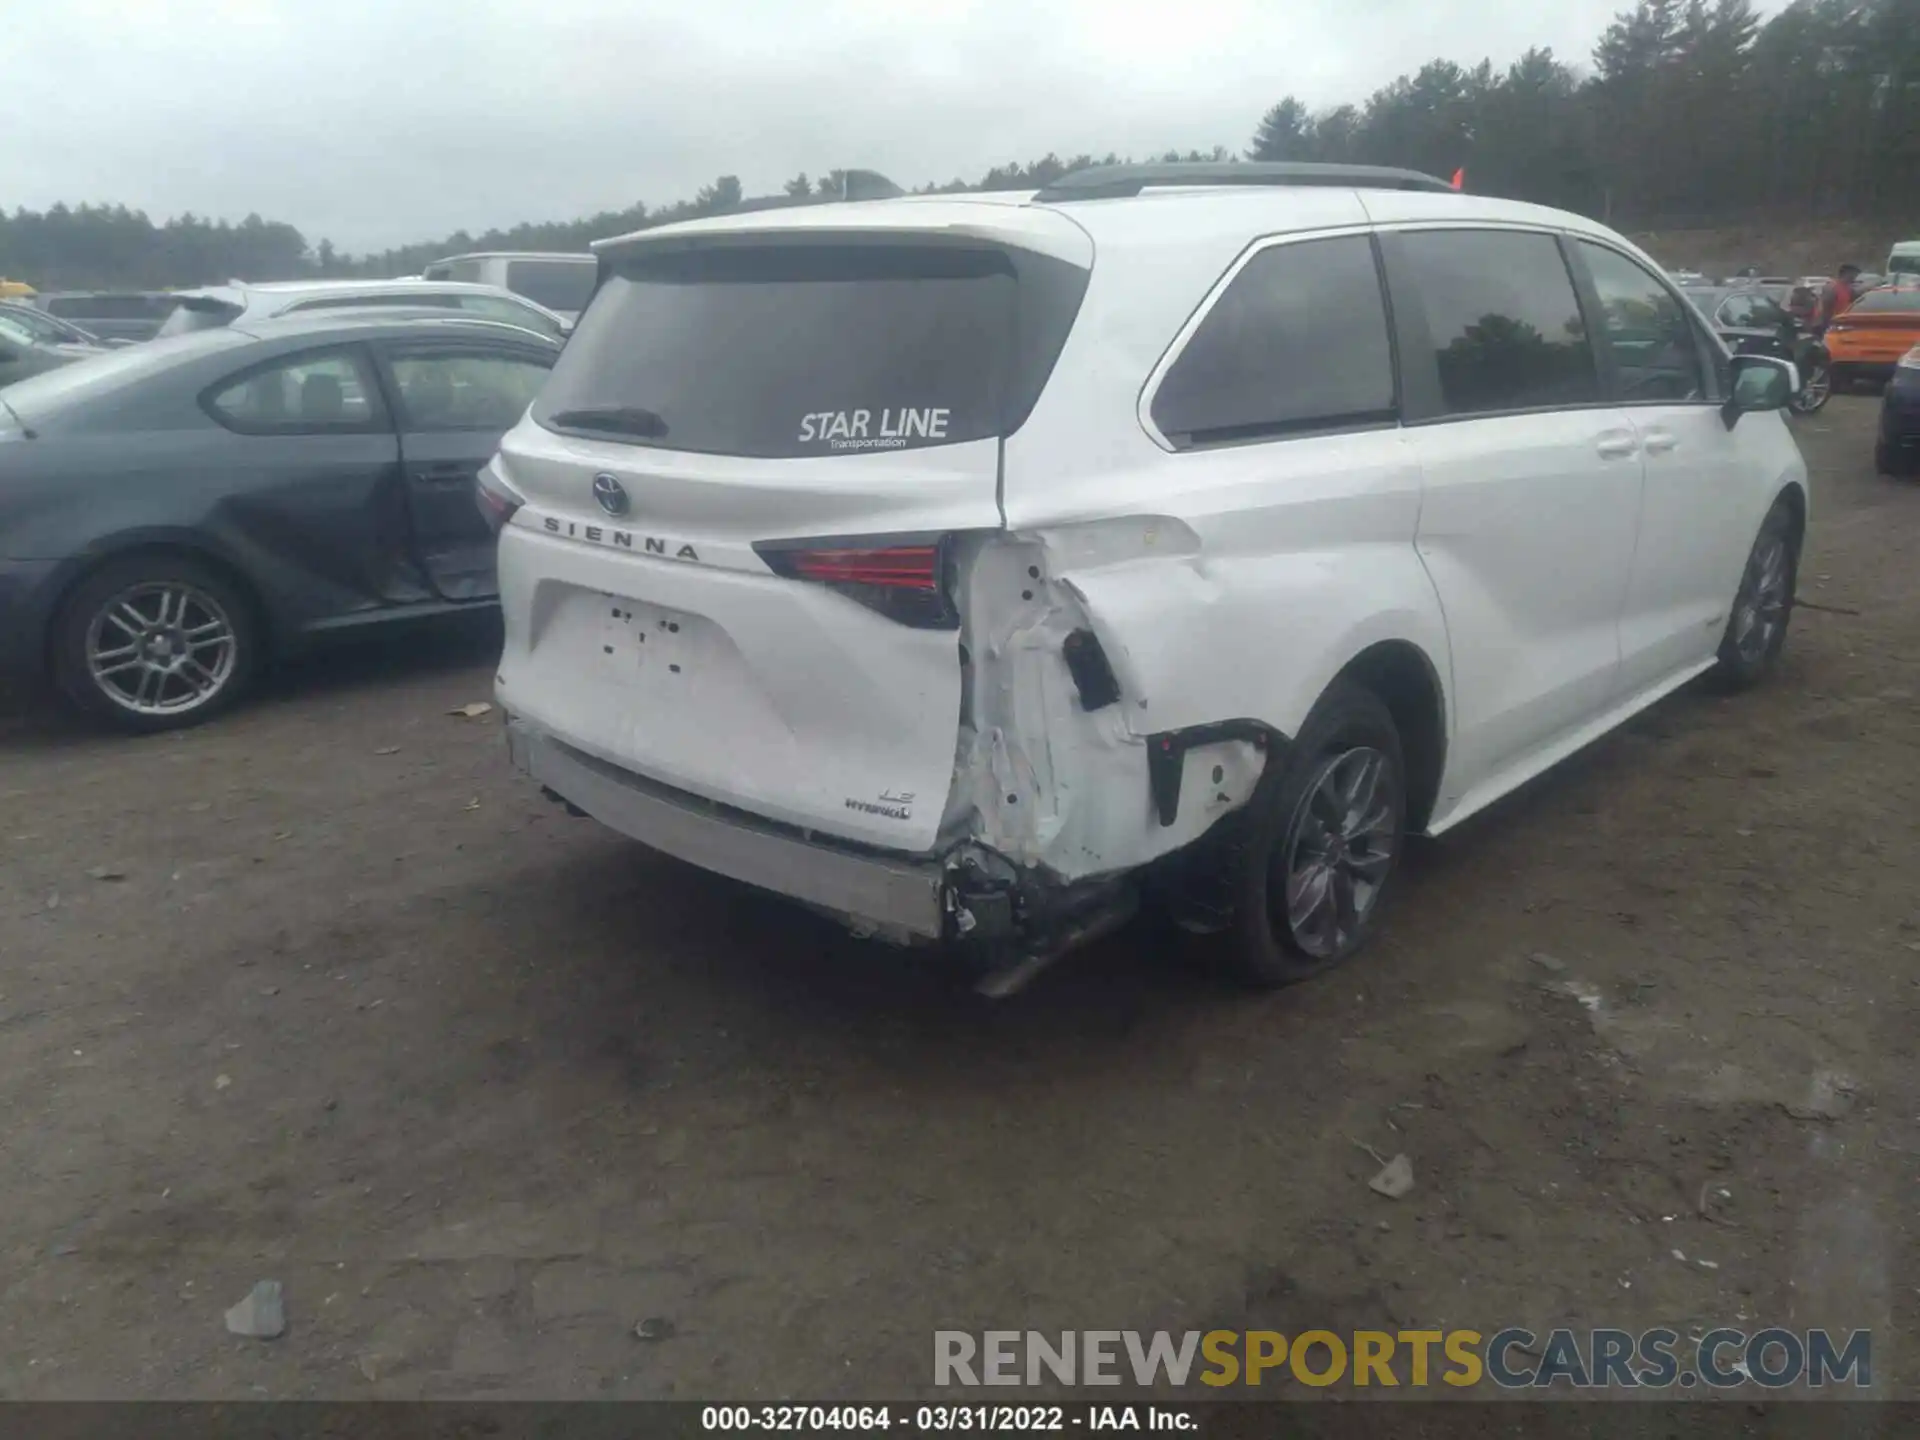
x=1867, y=339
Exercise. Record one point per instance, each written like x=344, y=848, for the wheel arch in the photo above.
x=184, y=546
x=1793, y=495
x=1408, y=683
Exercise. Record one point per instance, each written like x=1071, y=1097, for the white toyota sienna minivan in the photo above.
x=973, y=567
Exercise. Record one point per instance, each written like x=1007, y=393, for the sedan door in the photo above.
x=455, y=399
x=1697, y=515
x=1532, y=488
x=306, y=486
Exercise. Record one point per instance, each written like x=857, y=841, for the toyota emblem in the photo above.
x=611, y=494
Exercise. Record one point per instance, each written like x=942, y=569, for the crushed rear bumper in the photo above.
x=900, y=898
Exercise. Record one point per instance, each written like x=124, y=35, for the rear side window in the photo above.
x=564, y=285
x=1298, y=341
x=807, y=350
x=310, y=393
x=492, y=307
x=1501, y=318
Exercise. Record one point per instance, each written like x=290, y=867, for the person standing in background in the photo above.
x=1835, y=296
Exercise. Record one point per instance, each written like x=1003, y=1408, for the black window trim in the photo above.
x=385, y=352
x=379, y=420
x=1422, y=405
x=1704, y=335
x=1267, y=434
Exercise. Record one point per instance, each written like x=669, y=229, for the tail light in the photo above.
x=902, y=577
x=497, y=499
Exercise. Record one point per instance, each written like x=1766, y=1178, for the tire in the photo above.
x=1815, y=390
x=155, y=642
x=1762, y=606
x=1346, y=766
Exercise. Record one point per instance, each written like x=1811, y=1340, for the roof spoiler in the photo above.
x=854, y=185
x=1106, y=182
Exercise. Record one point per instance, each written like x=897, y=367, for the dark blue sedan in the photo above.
x=175, y=514
x=1898, y=450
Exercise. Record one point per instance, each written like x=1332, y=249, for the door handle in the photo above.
x=1616, y=447
x=1660, y=442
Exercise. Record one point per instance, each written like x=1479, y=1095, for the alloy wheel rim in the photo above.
x=1339, y=850
x=1763, y=599
x=161, y=648
x=1814, y=393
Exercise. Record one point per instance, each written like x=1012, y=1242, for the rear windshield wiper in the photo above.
x=614, y=419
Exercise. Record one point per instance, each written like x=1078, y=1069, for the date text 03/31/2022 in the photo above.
x=940, y=1419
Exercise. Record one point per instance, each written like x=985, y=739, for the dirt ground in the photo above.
x=483, y=1086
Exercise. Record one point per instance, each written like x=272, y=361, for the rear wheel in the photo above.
x=1757, y=626
x=1815, y=390
x=154, y=643
x=1324, y=842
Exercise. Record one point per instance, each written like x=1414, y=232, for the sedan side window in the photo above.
x=304, y=394
x=465, y=390
x=1296, y=343
x=1647, y=330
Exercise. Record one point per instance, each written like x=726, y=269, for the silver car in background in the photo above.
x=561, y=281
x=215, y=306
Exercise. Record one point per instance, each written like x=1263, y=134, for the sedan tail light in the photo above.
x=902, y=577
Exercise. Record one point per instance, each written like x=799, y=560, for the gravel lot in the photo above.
x=483, y=1086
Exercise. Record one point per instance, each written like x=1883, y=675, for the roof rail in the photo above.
x=1104, y=182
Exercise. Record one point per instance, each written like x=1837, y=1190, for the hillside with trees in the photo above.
x=1691, y=113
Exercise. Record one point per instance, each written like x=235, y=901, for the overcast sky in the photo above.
x=377, y=122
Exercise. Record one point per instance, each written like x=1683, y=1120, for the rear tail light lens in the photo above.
x=902, y=577
x=497, y=499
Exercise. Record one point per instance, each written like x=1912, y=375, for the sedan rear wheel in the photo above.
x=154, y=643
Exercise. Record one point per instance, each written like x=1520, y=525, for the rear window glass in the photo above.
x=797, y=351
x=564, y=285
x=1887, y=300
x=44, y=395
x=106, y=307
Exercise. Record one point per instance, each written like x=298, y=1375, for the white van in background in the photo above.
x=560, y=281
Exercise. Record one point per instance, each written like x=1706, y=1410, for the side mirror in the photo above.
x=1760, y=382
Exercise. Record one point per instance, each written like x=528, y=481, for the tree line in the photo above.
x=1692, y=112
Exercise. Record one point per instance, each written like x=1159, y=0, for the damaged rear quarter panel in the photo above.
x=1230, y=584
x=1041, y=778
